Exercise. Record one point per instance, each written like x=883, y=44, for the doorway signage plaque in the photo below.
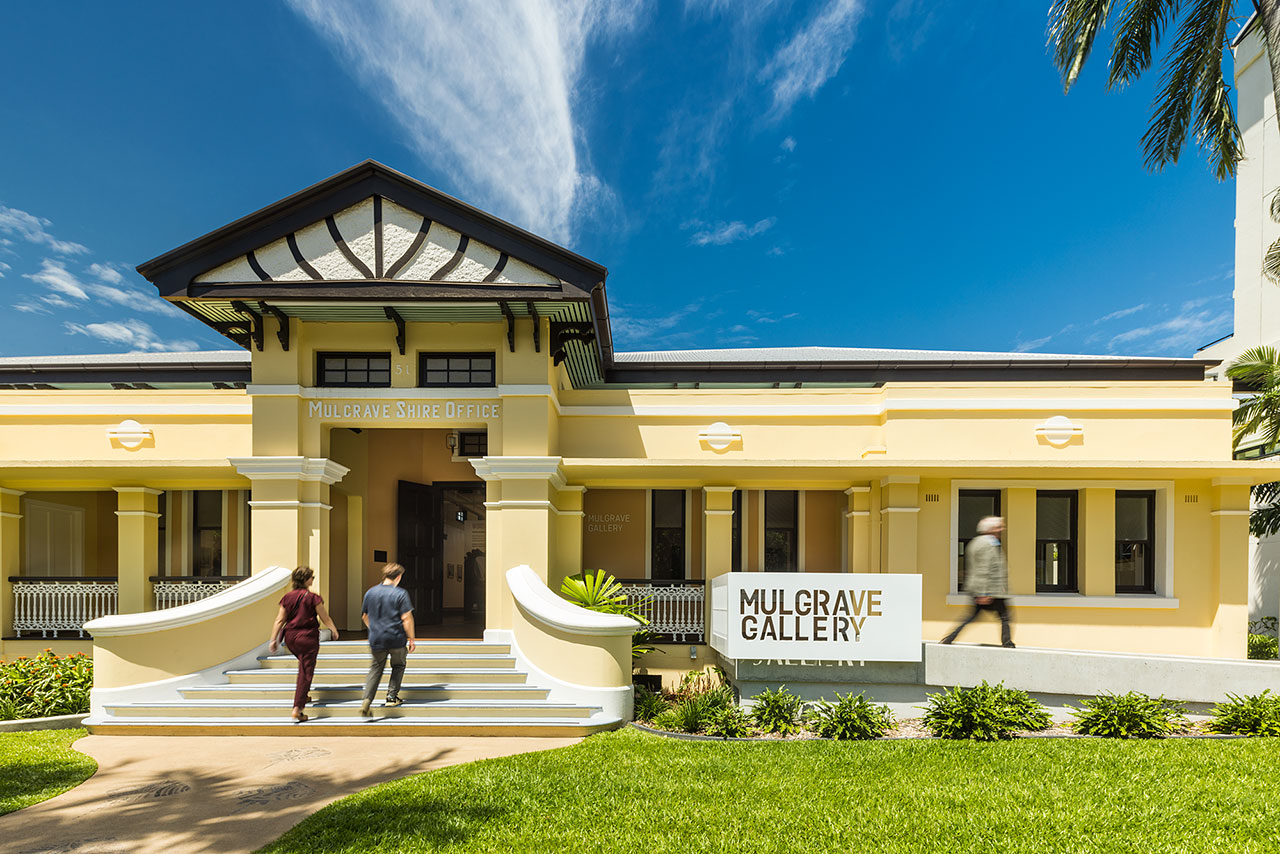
x=404, y=411
x=814, y=616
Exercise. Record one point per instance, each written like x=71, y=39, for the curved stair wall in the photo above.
x=152, y=655
x=582, y=656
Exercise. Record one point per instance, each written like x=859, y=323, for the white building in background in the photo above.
x=1257, y=300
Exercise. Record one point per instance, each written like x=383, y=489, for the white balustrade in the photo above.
x=675, y=610
x=50, y=607
x=170, y=594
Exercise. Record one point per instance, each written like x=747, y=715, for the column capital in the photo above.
x=4, y=490
x=138, y=490
x=855, y=490
x=312, y=469
x=545, y=469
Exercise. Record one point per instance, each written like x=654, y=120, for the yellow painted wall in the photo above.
x=823, y=516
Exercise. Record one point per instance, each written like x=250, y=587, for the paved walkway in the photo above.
x=179, y=795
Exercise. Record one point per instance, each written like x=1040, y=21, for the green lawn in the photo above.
x=627, y=791
x=35, y=766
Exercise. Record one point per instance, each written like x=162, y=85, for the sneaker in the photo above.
x=365, y=711
x=1009, y=645
x=393, y=701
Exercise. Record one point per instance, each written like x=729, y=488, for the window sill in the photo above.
x=1075, y=600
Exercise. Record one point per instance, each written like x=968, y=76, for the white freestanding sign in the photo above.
x=830, y=616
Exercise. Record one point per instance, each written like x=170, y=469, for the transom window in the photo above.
x=455, y=370
x=473, y=443
x=354, y=370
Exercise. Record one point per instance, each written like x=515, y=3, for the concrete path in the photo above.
x=180, y=795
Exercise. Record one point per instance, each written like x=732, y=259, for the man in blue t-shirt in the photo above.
x=388, y=613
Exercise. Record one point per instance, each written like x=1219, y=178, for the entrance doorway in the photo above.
x=440, y=540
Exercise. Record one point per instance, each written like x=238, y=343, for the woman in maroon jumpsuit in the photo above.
x=299, y=618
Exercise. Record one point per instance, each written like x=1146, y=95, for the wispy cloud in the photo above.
x=788, y=144
x=1026, y=346
x=723, y=233
x=486, y=91
x=633, y=330
x=1191, y=327
x=34, y=229
x=1124, y=312
x=812, y=56
x=4, y=268
x=133, y=334
x=55, y=276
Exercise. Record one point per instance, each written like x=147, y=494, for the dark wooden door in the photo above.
x=417, y=548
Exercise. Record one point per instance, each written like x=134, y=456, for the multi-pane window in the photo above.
x=667, y=534
x=735, y=559
x=354, y=370
x=455, y=370
x=473, y=443
x=206, y=532
x=1135, y=541
x=974, y=505
x=781, y=531
x=1056, y=544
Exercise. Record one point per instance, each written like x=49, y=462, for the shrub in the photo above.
x=1257, y=714
x=776, y=711
x=729, y=722
x=604, y=593
x=695, y=713
x=850, y=717
x=1131, y=715
x=698, y=682
x=45, y=685
x=649, y=704
x=1263, y=647
x=984, y=713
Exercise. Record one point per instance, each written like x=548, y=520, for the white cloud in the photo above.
x=812, y=56
x=788, y=144
x=4, y=268
x=31, y=307
x=55, y=276
x=106, y=273
x=1024, y=346
x=1124, y=312
x=61, y=281
x=34, y=229
x=1182, y=333
x=730, y=232
x=486, y=91
x=134, y=334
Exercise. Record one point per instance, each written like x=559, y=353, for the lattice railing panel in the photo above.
x=50, y=607
x=171, y=594
x=676, y=612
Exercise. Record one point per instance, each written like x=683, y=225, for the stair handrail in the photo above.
x=545, y=606
x=266, y=583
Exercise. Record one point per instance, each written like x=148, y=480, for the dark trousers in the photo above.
x=399, y=657
x=305, y=646
x=1001, y=608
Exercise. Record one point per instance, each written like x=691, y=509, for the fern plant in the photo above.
x=1131, y=715
x=852, y=716
x=649, y=704
x=983, y=713
x=729, y=722
x=776, y=711
x=1257, y=714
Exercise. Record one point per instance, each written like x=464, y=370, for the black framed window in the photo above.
x=456, y=370
x=973, y=505
x=735, y=559
x=473, y=443
x=667, y=534
x=1056, y=541
x=353, y=370
x=781, y=531
x=206, y=532
x=1135, y=541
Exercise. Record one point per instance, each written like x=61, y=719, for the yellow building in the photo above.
x=422, y=382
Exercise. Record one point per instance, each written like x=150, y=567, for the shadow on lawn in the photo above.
x=382, y=824
x=40, y=775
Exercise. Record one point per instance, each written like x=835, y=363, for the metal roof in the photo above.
x=820, y=355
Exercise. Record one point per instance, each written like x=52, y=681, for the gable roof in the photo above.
x=366, y=230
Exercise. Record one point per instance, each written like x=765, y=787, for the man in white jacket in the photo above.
x=987, y=578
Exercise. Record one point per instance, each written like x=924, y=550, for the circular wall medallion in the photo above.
x=719, y=436
x=1058, y=430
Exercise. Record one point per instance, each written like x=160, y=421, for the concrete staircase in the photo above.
x=449, y=688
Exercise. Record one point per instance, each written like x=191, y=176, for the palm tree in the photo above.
x=1194, y=96
x=1258, y=416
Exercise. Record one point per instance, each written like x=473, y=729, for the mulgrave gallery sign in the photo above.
x=812, y=616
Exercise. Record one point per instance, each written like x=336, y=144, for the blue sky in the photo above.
x=872, y=173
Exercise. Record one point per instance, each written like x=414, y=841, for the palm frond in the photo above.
x=1195, y=74
x=1265, y=518
x=1257, y=367
x=1073, y=26
x=1271, y=262
x=1138, y=32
